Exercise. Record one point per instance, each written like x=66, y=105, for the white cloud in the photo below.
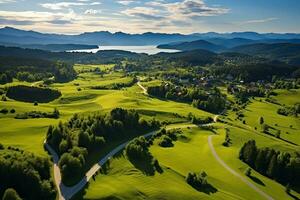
x=62, y=5
x=159, y=16
x=126, y=2
x=258, y=21
x=92, y=12
x=33, y=17
x=143, y=12
x=7, y=1
x=179, y=12
x=95, y=3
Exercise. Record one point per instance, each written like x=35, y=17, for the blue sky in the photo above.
x=137, y=16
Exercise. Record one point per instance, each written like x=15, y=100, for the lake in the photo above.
x=149, y=49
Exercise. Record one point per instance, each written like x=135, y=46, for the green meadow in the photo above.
x=29, y=134
x=190, y=153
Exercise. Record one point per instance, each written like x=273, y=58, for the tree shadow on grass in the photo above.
x=257, y=180
x=145, y=165
x=207, y=189
x=293, y=196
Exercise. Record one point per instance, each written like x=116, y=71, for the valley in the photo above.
x=115, y=124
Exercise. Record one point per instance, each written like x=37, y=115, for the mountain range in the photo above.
x=105, y=38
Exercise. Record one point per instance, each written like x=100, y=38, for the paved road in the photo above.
x=242, y=178
x=66, y=192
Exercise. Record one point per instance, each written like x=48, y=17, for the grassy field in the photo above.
x=288, y=97
x=29, y=134
x=191, y=154
x=289, y=126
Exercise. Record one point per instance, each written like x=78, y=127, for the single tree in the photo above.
x=277, y=135
x=261, y=120
x=248, y=172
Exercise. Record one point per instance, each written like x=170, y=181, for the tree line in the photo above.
x=137, y=152
x=32, y=94
x=31, y=70
x=255, y=71
x=26, y=174
x=280, y=166
x=116, y=86
x=38, y=114
x=212, y=101
x=76, y=139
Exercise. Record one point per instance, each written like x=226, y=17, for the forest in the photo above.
x=26, y=173
x=33, y=69
x=281, y=166
x=80, y=136
x=211, y=101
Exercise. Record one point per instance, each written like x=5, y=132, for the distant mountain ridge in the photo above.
x=13, y=35
x=51, y=47
x=287, y=52
x=194, y=45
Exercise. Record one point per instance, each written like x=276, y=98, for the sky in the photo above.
x=139, y=16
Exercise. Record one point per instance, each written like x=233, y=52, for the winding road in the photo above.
x=242, y=178
x=65, y=192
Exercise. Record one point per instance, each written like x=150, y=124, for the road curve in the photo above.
x=65, y=192
x=211, y=146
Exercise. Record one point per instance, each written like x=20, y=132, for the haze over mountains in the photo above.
x=274, y=46
x=9, y=35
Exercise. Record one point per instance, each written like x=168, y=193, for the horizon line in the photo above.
x=140, y=33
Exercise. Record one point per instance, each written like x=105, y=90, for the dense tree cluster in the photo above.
x=37, y=114
x=138, y=154
x=166, y=137
x=199, y=120
x=80, y=136
x=255, y=71
x=32, y=94
x=26, y=173
x=286, y=110
x=5, y=78
x=64, y=72
x=197, y=181
x=116, y=86
x=227, y=140
x=137, y=149
x=281, y=166
x=215, y=102
x=165, y=141
x=286, y=84
x=31, y=70
x=243, y=94
x=212, y=101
